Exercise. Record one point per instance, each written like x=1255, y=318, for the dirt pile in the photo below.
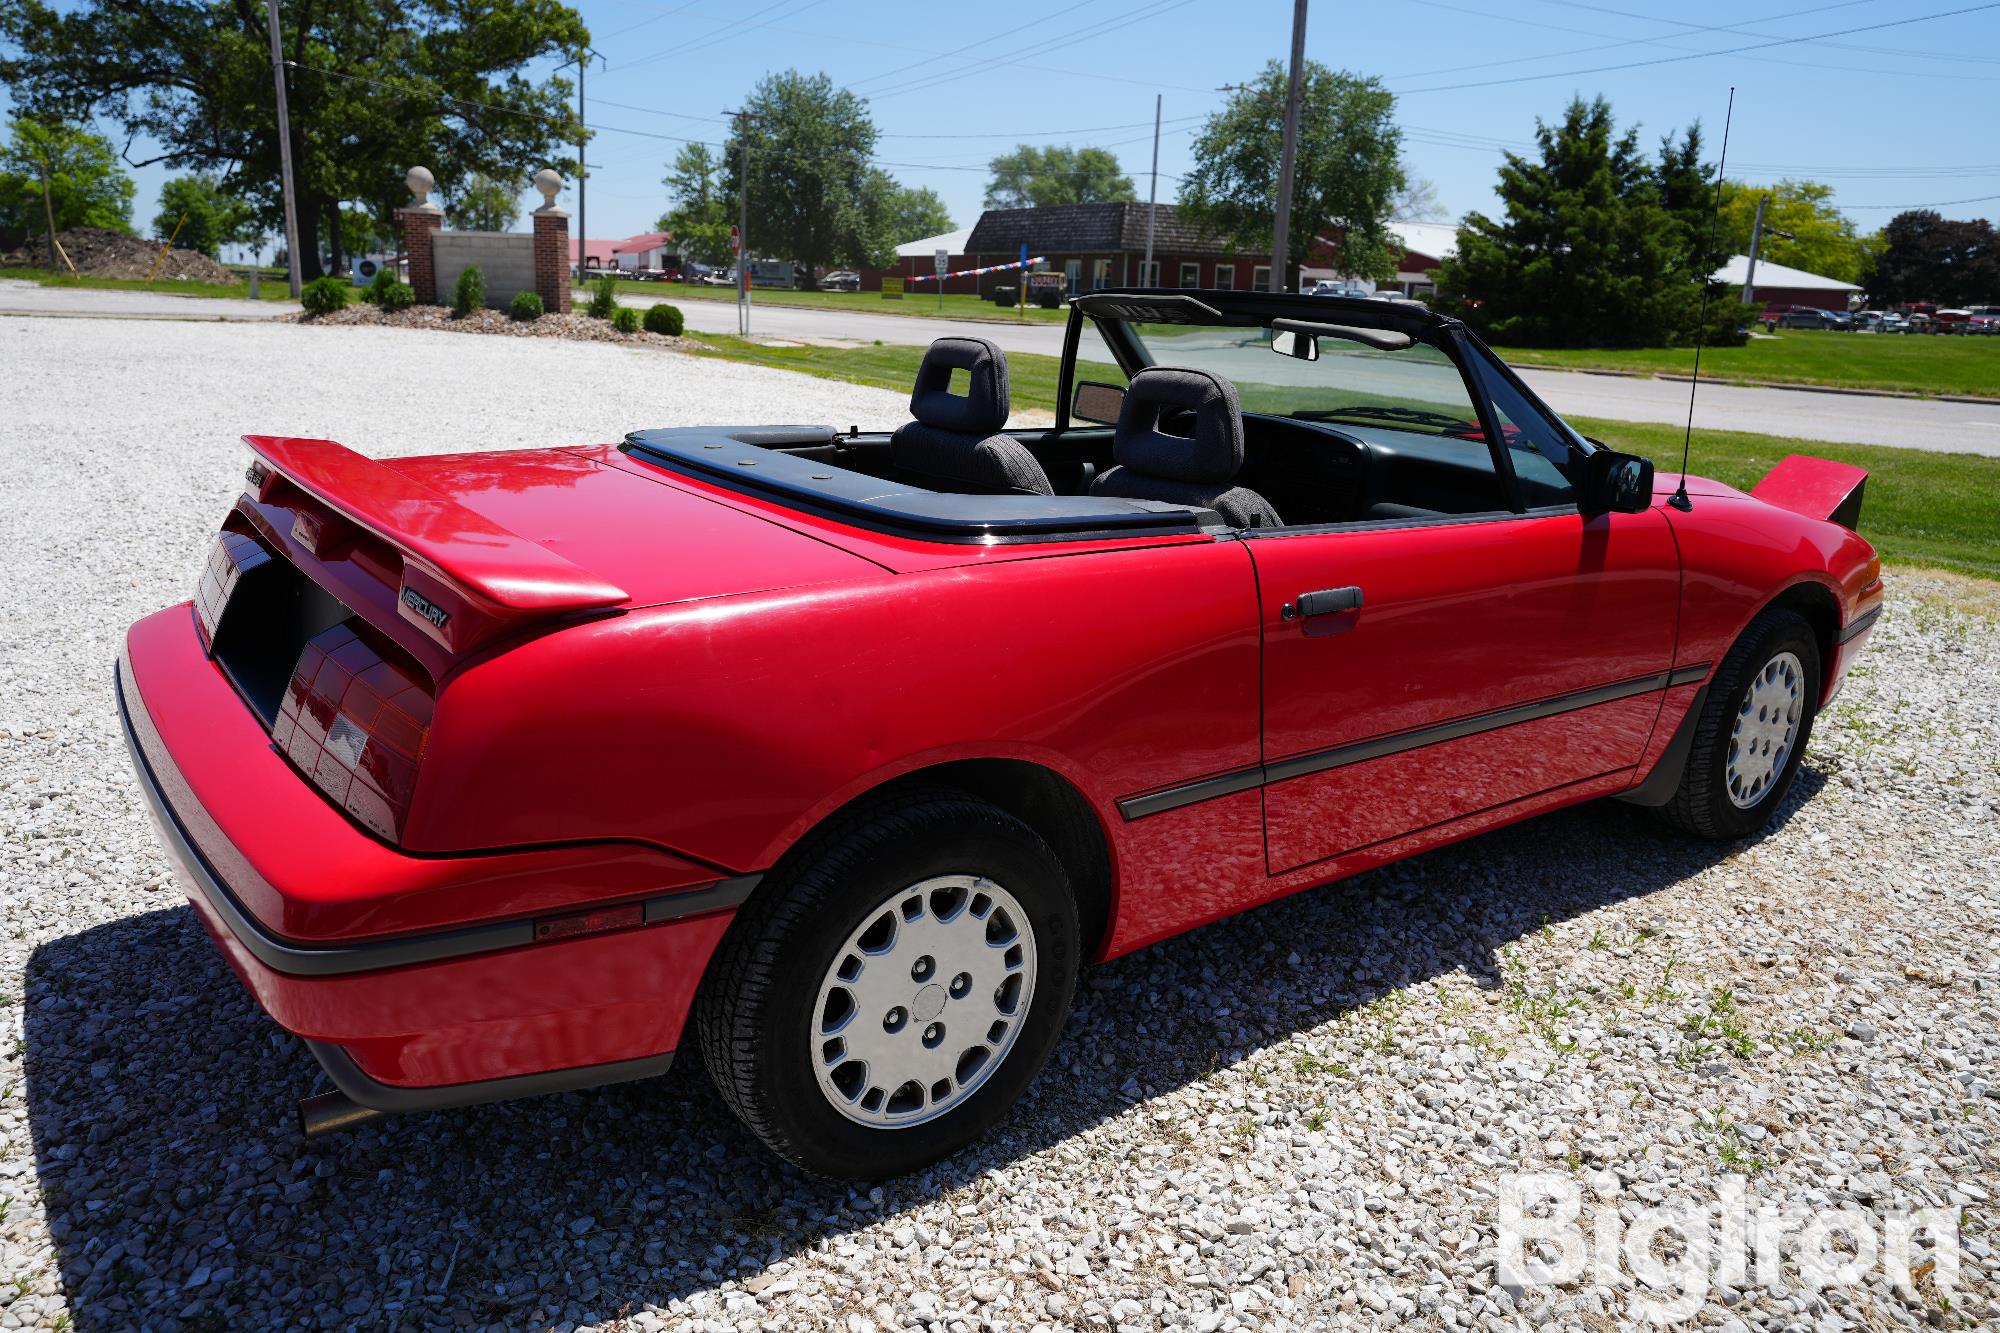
x=99, y=252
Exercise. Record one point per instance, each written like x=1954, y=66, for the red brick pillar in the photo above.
x=552, y=259
x=419, y=225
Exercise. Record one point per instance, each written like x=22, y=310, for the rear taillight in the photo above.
x=232, y=556
x=355, y=724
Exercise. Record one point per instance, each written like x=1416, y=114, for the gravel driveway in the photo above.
x=1301, y=1117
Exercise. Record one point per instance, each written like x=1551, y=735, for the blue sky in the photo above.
x=1893, y=115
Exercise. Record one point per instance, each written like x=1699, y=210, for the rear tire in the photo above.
x=1755, y=721
x=894, y=987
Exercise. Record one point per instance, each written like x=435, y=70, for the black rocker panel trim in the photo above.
x=313, y=960
x=386, y=1097
x=1319, y=761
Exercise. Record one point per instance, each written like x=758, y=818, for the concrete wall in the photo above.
x=507, y=259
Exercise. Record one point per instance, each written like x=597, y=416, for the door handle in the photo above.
x=1325, y=602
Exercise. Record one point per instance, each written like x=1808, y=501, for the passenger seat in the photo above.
x=956, y=441
x=1197, y=470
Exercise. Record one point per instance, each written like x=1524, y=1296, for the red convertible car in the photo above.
x=836, y=755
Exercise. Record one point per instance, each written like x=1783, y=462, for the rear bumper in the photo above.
x=420, y=1019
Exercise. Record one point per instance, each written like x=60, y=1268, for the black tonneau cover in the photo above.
x=749, y=459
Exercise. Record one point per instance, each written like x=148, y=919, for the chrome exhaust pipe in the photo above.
x=332, y=1112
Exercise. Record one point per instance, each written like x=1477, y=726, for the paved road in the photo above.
x=18, y=297
x=1844, y=418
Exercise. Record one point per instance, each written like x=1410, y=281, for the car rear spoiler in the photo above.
x=1815, y=487
x=500, y=573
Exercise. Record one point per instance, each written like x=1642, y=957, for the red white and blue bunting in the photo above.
x=978, y=272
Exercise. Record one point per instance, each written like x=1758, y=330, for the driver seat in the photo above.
x=1198, y=469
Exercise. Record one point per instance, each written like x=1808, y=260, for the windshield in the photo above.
x=1416, y=388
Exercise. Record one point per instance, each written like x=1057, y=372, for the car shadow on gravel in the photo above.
x=179, y=1192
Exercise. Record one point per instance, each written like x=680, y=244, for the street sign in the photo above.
x=735, y=242
x=942, y=259
x=892, y=287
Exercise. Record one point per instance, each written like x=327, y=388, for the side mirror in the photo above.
x=1097, y=402
x=1618, y=483
x=1299, y=346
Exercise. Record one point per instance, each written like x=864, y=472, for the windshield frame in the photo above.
x=1232, y=309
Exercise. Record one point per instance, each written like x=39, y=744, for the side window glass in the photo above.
x=1541, y=453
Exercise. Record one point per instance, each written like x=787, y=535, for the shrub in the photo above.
x=625, y=319
x=323, y=296
x=525, y=306
x=664, y=318
x=469, y=292
x=603, y=298
x=397, y=296
x=384, y=279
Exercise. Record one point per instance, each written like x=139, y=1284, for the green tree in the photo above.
x=1587, y=251
x=700, y=217
x=86, y=186
x=215, y=217
x=486, y=202
x=1823, y=240
x=375, y=89
x=809, y=148
x=1048, y=177
x=1348, y=175
x=894, y=214
x=1928, y=257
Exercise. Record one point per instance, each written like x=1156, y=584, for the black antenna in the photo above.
x=1680, y=499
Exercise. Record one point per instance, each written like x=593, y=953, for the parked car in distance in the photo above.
x=693, y=271
x=835, y=756
x=1339, y=289
x=1952, y=321
x=1985, y=319
x=841, y=280
x=1811, y=317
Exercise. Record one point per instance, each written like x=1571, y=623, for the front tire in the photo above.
x=1755, y=721
x=894, y=987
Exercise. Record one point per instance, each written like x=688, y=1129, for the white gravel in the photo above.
x=1299, y=1118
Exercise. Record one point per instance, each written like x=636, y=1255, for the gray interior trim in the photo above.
x=1859, y=625
x=1339, y=756
x=365, y=1091
x=316, y=960
x=1386, y=340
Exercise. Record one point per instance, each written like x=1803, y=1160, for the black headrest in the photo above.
x=1215, y=451
x=984, y=408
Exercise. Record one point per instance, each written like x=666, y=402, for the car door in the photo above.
x=1417, y=671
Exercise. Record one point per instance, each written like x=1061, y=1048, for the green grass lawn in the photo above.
x=274, y=289
x=1914, y=363
x=1922, y=508
x=916, y=303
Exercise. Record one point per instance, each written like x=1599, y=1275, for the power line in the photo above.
x=1699, y=55
x=1150, y=10
x=1942, y=203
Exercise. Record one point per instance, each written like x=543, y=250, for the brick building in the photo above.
x=1103, y=245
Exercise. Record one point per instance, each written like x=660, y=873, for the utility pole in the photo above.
x=285, y=149
x=48, y=210
x=743, y=224
x=1288, y=156
x=1758, y=231
x=1756, y=235
x=582, y=62
x=1153, y=192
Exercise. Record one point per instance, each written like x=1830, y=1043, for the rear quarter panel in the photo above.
x=727, y=728
x=1738, y=555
